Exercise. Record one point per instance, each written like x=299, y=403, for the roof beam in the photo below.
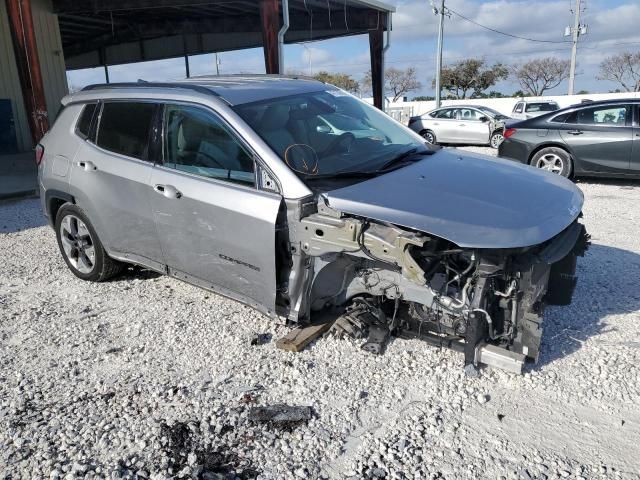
x=94, y=6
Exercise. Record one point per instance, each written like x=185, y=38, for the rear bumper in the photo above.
x=511, y=149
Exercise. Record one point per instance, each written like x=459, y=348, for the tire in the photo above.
x=429, y=136
x=553, y=159
x=496, y=139
x=81, y=248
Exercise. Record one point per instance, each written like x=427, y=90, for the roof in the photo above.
x=113, y=32
x=234, y=89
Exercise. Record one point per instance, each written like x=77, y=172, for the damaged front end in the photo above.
x=384, y=280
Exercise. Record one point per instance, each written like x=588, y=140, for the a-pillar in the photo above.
x=376, y=49
x=270, y=21
x=28, y=64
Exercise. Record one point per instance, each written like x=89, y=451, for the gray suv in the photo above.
x=235, y=184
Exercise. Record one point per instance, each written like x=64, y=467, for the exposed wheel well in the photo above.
x=54, y=203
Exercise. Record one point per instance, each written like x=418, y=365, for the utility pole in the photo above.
x=575, y=33
x=217, y=64
x=439, y=55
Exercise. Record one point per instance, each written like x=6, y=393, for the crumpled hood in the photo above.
x=472, y=200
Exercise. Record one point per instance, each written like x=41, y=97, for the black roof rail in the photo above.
x=144, y=84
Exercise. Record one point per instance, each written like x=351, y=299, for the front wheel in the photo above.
x=80, y=246
x=554, y=160
x=496, y=139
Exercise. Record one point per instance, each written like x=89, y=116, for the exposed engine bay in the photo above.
x=382, y=280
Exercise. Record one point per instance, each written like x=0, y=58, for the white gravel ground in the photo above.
x=148, y=377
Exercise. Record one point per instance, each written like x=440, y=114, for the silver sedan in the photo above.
x=469, y=124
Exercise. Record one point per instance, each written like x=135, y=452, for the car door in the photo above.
x=109, y=178
x=443, y=125
x=471, y=128
x=600, y=138
x=216, y=228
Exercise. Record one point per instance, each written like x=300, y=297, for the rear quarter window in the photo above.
x=562, y=118
x=83, y=127
x=124, y=128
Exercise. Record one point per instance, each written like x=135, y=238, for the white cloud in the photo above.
x=316, y=56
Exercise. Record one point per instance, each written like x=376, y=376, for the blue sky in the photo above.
x=613, y=28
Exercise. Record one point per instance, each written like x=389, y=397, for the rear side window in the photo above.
x=446, y=113
x=83, y=126
x=605, y=115
x=124, y=128
x=542, y=107
x=562, y=118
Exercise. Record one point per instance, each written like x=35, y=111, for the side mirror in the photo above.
x=323, y=129
x=484, y=119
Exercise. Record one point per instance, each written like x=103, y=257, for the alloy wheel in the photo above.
x=496, y=140
x=551, y=162
x=77, y=244
x=428, y=136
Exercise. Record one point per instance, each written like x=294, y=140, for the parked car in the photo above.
x=526, y=109
x=592, y=139
x=228, y=184
x=468, y=124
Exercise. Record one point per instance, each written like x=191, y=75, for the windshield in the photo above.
x=493, y=113
x=329, y=133
x=542, y=107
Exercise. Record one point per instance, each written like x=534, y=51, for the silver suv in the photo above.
x=237, y=185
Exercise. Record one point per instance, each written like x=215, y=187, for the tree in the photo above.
x=340, y=80
x=624, y=69
x=397, y=82
x=541, y=74
x=471, y=75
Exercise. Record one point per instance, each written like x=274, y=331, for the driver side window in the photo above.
x=198, y=142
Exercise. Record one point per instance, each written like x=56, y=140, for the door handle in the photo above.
x=86, y=165
x=168, y=191
x=462, y=124
x=575, y=132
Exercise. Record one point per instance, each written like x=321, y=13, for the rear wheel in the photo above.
x=429, y=136
x=554, y=160
x=81, y=248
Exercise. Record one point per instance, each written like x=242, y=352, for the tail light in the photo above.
x=509, y=132
x=39, y=154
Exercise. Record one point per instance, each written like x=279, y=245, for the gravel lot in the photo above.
x=148, y=377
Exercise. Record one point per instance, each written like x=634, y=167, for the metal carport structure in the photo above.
x=112, y=32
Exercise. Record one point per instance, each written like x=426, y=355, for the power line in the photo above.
x=505, y=33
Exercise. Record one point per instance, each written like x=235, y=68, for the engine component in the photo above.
x=362, y=319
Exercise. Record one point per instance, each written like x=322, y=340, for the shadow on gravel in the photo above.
x=20, y=214
x=134, y=272
x=182, y=448
x=620, y=182
x=608, y=284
